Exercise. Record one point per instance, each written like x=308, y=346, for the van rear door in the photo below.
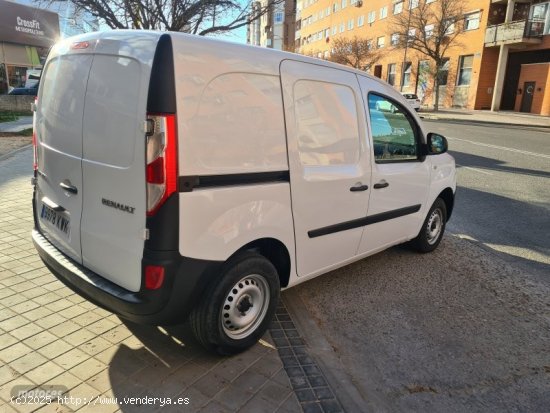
x=113, y=159
x=58, y=128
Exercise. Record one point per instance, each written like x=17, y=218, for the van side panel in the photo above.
x=230, y=116
x=217, y=222
x=230, y=125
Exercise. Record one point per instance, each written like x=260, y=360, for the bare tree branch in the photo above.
x=201, y=17
x=431, y=29
x=355, y=52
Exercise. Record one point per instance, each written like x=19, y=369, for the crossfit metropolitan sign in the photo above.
x=27, y=25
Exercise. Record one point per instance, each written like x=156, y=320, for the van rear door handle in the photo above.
x=381, y=184
x=70, y=188
x=358, y=187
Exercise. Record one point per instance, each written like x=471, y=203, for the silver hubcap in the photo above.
x=434, y=227
x=245, y=306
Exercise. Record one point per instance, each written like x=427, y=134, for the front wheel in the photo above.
x=432, y=229
x=237, y=309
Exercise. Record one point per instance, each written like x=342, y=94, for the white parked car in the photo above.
x=413, y=100
x=181, y=176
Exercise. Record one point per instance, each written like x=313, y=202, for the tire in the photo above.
x=238, y=307
x=433, y=228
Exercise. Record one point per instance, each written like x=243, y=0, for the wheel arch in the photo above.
x=275, y=251
x=448, y=197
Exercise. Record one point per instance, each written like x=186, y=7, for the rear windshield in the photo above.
x=410, y=96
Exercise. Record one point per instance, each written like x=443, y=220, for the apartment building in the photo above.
x=275, y=28
x=500, y=60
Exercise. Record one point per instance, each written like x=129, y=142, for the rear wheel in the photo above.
x=432, y=229
x=238, y=307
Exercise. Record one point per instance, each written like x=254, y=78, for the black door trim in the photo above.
x=188, y=183
x=361, y=222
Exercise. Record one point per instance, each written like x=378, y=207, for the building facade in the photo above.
x=275, y=28
x=498, y=61
x=26, y=34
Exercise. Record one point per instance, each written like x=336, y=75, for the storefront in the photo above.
x=26, y=35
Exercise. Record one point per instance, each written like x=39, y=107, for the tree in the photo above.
x=356, y=52
x=431, y=28
x=200, y=17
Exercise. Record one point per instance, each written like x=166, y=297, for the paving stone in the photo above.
x=40, y=340
x=26, y=331
x=87, y=369
x=7, y=340
x=14, y=351
x=27, y=362
x=55, y=349
x=71, y=358
x=44, y=373
x=79, y=337
x=233, y=396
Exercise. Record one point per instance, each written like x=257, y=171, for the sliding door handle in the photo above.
x=381, y=184
x=359, y=187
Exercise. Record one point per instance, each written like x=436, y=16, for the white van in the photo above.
x=180, y=176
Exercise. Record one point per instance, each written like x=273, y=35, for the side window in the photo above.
x=327, y=125
x=393, y=132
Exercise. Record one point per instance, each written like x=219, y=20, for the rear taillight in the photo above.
x=154, y=277
x=34, y=143
x=162, y=165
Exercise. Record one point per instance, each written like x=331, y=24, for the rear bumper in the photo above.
x=185, y=281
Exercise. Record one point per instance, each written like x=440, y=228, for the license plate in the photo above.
x=56, y=219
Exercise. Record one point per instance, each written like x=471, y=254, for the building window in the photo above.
x=429, y=1
x=413, y=4
x=344, y=3
x=443, y=73
x=342, y=27
x=383, y=12
x=321, y=14
x=450, y=26
x=327, y=33
x=412, y=35
x=465, y=70
x=407, y=69
x=398, y=7
x=334, y=7
x=391, y=73
x=334, y=30
x=279, y=17
x=369, y=44
x=350, y=24
x=327, y=12
x=394, y=39
x=471, y=21
x=360, y=21
x=371, y=17
x=380, y=42
x=429, y=30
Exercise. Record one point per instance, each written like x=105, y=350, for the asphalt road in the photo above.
x=503, y=199
x=467, y=327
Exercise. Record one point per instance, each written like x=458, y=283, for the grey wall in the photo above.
x=16, y=103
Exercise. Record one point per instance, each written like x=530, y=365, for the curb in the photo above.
x=481, y=122
x=328, y=361
x=15, y=151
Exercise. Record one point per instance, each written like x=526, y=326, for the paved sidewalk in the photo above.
x=486, y=116
x=24, y=122
x=51, y=336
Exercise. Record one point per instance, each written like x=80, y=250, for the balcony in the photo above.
x=517, y=32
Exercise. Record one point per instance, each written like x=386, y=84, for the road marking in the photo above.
x=487, y=145
x=474, y=169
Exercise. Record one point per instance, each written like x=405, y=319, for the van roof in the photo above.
x=134, y=40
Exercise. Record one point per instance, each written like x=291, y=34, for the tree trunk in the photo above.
x=436, y=87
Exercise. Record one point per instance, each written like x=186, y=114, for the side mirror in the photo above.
x=437, y=144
